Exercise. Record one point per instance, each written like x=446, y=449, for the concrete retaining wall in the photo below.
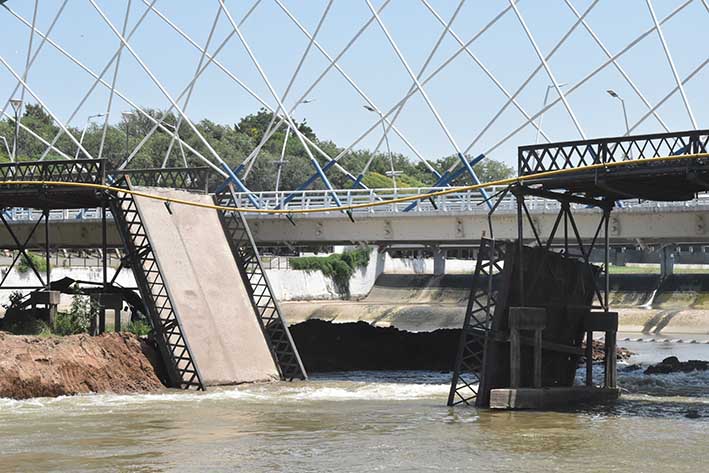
x=294, y=285
x=425, y=266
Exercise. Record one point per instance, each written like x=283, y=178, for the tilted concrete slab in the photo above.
x=206, y=290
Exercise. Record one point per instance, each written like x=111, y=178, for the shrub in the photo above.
x=78, y=320
x=38, y=261
x=139, y=327
x=338, y=266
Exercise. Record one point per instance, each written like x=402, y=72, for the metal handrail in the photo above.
x=465, y=202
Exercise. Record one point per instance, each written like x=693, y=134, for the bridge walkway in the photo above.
x=202, y=306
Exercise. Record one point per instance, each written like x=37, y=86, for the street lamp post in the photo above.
x=541, y=115
x=392, y=173
x=83, y=132
x=16, y=106
x=281, y=162
x=615, y=95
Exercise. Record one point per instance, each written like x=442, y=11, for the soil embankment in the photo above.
x=326, y=346
x=33, y=366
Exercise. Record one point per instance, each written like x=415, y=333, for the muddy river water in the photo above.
x=363, y=421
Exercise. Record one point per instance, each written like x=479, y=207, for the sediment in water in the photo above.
x=32, y=366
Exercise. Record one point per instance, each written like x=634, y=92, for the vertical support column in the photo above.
x=526, y=318
x=116, y=319
x=667, y=261
x=610, y=366
x=537, y=357
x=606, y=260
x=46, y=249
x=515, y=356
x=104, y=252
x=589, y=358
x=520, y=244
x=439, y=261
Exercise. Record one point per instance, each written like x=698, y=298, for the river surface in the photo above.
x=364, y=421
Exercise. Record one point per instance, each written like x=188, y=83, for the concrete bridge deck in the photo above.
x=457, y=218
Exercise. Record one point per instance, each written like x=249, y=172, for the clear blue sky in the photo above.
x=464, y=96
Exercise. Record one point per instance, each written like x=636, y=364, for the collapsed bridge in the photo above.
x=217, y=322
x=198, y=271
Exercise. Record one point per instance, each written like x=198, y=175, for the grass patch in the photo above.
x=140, y=328
x=38, y=261
x=647, y=269
x=338, y=266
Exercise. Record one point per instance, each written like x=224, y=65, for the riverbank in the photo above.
x=33, y=366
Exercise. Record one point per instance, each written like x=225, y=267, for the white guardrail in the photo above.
x=464, y=201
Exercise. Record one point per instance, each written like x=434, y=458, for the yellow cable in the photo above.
x=452, y=190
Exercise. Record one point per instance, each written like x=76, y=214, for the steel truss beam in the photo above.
x=468, y=372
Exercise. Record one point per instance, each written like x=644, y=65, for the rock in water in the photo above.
x=37, y=366
x=671, y=364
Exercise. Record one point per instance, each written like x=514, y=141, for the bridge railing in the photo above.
x=319, y=199
x=463, y=202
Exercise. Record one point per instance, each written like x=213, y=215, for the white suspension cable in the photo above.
x=98, y=79
x=488, y=73
x=44, y=106
x=618, y=67
x=39, y=138
x=420, y=88
x=427, y=61
x=290, y=83
x=589, y=76
x=37, y=51
x=158, y=84
x=211, y=60
x=113, y=83
x=694, y=72
x=548, y=70
x=191, y=89
x=289, y=119
x=668, y=55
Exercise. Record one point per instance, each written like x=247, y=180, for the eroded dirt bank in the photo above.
x=326, y=346
x=33, y=366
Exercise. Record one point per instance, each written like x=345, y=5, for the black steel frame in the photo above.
x=183, y=372
x=258, y=286
x=537, y=158
x=468, y=372
x=22, y=251
x=195, y=179
x=89, y=171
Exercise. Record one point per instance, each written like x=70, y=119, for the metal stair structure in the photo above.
x=468, y=373
x=259, y=288
x=174, y=347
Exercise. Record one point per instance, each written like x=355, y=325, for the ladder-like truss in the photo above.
x=259, y=289
x=468, y=373
x=174, y=347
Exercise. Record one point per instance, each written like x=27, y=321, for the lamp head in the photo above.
x=613, y=93
x=370, y=108
x=16, y=104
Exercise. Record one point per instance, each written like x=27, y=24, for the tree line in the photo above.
x=233, y=143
